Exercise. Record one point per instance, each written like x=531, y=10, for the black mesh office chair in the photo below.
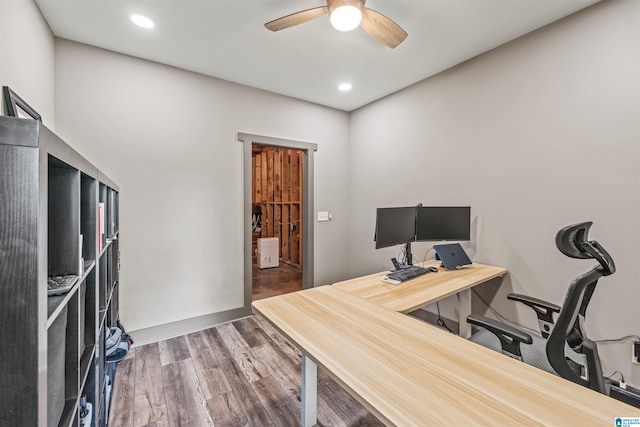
x=562, y=349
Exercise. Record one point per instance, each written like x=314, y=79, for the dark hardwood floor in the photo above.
x=269, y=282
x=243, y=373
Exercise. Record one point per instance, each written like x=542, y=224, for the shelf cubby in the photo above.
x=102, y=371
x=88, y=217
x=88, y=322
x=111, y=212
x=102, y=283
x=56, y=303
x=114, y=309
x=63, y=363
x=103, y=215
x=63, y=225
x=56, y=368
x=110, y=270
x=89, y=391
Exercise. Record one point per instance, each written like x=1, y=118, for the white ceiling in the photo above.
x=227, y=39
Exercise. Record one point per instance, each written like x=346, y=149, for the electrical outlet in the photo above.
x=635, y=352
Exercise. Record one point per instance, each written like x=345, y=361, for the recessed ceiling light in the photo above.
x=344, y=87
x=142, y=21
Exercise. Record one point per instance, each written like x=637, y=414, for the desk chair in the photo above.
x=565, y=350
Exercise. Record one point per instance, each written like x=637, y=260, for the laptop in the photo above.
x=452, y=255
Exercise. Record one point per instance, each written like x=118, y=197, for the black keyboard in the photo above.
x=408, y=273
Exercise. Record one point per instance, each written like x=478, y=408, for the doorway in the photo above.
x=276, y=220
x=306, y=206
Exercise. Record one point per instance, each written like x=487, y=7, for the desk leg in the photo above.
x=464, y=310
x=309, y=392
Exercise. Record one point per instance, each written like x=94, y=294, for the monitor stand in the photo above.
x=407, y=252
x=408, y=259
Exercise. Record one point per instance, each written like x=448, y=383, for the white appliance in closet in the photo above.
x=268, y=249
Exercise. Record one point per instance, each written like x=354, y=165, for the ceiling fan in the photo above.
x=346, y=15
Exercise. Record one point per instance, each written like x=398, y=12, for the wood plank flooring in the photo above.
x=243, y=373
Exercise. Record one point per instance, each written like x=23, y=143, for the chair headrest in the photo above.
x=573, y=241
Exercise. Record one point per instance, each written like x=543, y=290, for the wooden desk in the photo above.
x=409, y=373
x=424, y=290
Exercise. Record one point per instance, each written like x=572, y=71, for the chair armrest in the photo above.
x=544, y=310
x=510, y=337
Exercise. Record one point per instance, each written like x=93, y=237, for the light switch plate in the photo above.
x=323, y=216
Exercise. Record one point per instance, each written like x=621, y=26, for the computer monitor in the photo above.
x=438, y=223
x=395, y=226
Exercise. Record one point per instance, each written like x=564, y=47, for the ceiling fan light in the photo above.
x=345, y=17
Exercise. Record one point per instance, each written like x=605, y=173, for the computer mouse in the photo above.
x=432, y=269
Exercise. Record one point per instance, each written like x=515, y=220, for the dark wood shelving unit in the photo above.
x=53, y=346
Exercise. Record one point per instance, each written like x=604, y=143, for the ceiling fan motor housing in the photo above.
x=334, y=4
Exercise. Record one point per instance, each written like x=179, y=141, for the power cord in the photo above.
x=612, y=340
x=424, y=259
x=440, y=321
x=504, y=319
x=622, y=383
x=403, y=254
x=616, y=372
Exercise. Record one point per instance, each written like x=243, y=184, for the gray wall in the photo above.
x=27, y=56
x=537, y=134
x=168, y=138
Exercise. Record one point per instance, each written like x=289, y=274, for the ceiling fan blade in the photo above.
x=382, y=28
x=296, y=18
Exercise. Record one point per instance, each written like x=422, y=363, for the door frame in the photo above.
x=307, y=149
